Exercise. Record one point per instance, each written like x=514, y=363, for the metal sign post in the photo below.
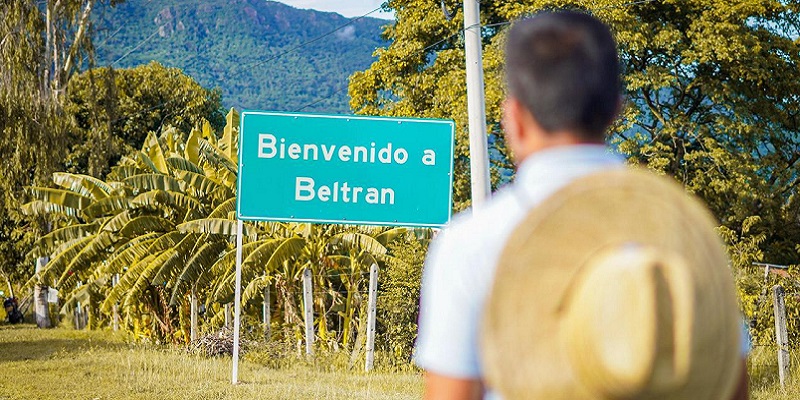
x=345, y=169
x=237, y=309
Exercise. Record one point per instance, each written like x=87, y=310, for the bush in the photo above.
x=398, y=301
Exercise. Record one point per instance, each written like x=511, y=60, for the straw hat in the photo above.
x=616, y=287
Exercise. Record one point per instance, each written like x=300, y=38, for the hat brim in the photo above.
x=523, y=345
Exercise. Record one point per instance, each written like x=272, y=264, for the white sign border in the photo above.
x=240, y=166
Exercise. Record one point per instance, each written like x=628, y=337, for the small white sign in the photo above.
x=52, y=295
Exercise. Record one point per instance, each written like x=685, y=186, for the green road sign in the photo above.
x=345, y=169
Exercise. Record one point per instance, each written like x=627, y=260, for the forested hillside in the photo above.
x=247, y=48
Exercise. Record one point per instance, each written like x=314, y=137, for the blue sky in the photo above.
x=348, y=8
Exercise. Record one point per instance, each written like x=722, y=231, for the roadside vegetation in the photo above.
x=121, y=184
x=100, y=364
x=63, y=363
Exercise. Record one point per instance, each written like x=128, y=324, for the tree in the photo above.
x=163, y=221
x=127, y=225
x=41, y=47
x=113, y=110
x=421, y=74
x=711, y=98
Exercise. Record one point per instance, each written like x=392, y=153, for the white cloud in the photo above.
x=348, y=33
x=348, y=8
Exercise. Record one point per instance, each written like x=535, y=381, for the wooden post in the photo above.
x=193, y=314
x=115, y=317
x=371, y=316
x=781, y=335
x=41, y=310
x=78, y=310
x=115, y=309
x=228, y=315
x=77, y=313
x=308, y=305
x=265, y=311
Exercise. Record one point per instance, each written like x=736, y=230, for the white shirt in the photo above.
x=459, y=270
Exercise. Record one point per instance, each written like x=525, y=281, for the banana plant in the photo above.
x=164, y=222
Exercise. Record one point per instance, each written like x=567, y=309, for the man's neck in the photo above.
x=549, y=140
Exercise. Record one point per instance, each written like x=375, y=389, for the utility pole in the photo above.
x=476, y=107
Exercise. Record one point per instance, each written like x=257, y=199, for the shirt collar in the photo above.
x=555, y=164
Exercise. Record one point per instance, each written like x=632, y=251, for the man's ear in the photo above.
x=512, y=121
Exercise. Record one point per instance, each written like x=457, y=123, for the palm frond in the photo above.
x=117, y=222
x=152, y=148
x=145, y=161
x=224, y=209
x=255, y=288
x=145, y=224
x=120, y=172
x=135, y=249
x=192, y=150
x=86, y=185
x=49, y=242
x=266, y=258
x=64, y=198
x=146, y=276
x=202, y=260
x=173, y=265
x=39, y=208
x=126, y=283
x=216, y=226
x=107, y=206
x=182, y=164
x=360, y=242
x=99, y=246
x=204, y=185
x=172, y=200
x=55, y=267
x=147, y=182
x=229, y=143
x=217, y=156
x=387, y=237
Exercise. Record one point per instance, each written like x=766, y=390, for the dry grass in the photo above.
x=763, y=368
x=66, y=364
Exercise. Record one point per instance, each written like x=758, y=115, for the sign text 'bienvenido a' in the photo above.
x=345, y=169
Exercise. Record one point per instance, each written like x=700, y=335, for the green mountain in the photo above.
x=255, y=51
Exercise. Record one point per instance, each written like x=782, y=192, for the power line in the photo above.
x=306, y=43
x=137, y=46
x=402, y=59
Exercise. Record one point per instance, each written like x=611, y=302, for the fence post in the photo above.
x=86, y=310
x=193, y=314
x=115, y=308
x=266, y=314
x=371, y=315
x=78, y=310
x=781, y=335
x=228, y=315
x=308, y=304
x=41, y=309
x=77, y=314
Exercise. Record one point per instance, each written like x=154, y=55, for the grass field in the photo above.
x=68, y=364
x=763, y=369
